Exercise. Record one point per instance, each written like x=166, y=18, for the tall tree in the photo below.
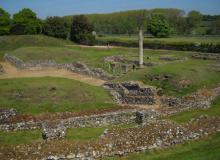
x=81, y=30
x=159, y=27
x=4, y=22
x=194, y=20
x=56, y=27
x=28, y=20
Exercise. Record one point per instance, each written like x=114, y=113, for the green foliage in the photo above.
x=194, y=20
x=159, y=27
x=81, y=31
x=28, y=20
x=4, y=22
x=56, y=27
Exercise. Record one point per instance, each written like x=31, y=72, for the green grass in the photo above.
x=206, y=149
x=90, y=56
x=196, y=72
x=20, y=137
x=9, y=43
x=84, y=134
x=178, y=39
x=73, y=134
x=36, y=95
x=183, y=117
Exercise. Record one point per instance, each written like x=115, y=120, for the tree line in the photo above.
x=157, y=22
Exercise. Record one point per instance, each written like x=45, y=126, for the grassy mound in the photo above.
x=9, y=43
x=40, y=95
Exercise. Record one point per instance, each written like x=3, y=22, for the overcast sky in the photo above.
x=45, y=8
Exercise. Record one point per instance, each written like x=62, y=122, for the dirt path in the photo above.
x=12, y=72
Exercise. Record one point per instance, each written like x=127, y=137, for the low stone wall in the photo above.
x=18, y=63
x=1, y=69
x=77, y=67
x=112, y=118
x=155, y=135
x=7, y=113
x=206, y=56
x=131, y=93
x=199, y=100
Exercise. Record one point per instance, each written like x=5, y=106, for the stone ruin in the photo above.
x=131, y=93
x=6, y=113
x=123, y=65
x=53, y=131
x=206, y=56
x=143, y=117
x=1, y=69
x=169, y=58
x=77, y=67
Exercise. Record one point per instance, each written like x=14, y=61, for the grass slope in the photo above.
x=38, y=95
x=9, y=43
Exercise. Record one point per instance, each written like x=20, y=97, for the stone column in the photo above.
x=141, y=50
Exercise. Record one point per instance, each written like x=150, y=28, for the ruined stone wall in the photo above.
x=1, y=69
x=206, y=56
x=77, y=67
x=155, y=135
x=131, y=93
x=112, y=118
x=18, y=63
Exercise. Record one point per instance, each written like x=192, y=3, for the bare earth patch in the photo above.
x=12, y=72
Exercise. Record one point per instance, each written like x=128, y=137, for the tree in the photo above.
x=27, y=20
x=81, y=31
x=56, y=27
x=194, y=20
x=4, y=22
x=159, y=27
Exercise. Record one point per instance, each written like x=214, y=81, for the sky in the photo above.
x=45, y=8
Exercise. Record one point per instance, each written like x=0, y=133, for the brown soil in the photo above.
x=13, y=72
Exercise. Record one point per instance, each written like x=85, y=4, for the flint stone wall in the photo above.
x=1, y=69
x=7, y=113
x=53, y=131
x=73, y=67
x=131, y=93
x=198, y=100
x=155, y=135
x=206, y=56
x=102, y=120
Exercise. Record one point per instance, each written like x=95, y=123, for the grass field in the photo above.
x=39, y=95
x=124, y=38
x=206, y=149
x=91, y=56
x=196, y=72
